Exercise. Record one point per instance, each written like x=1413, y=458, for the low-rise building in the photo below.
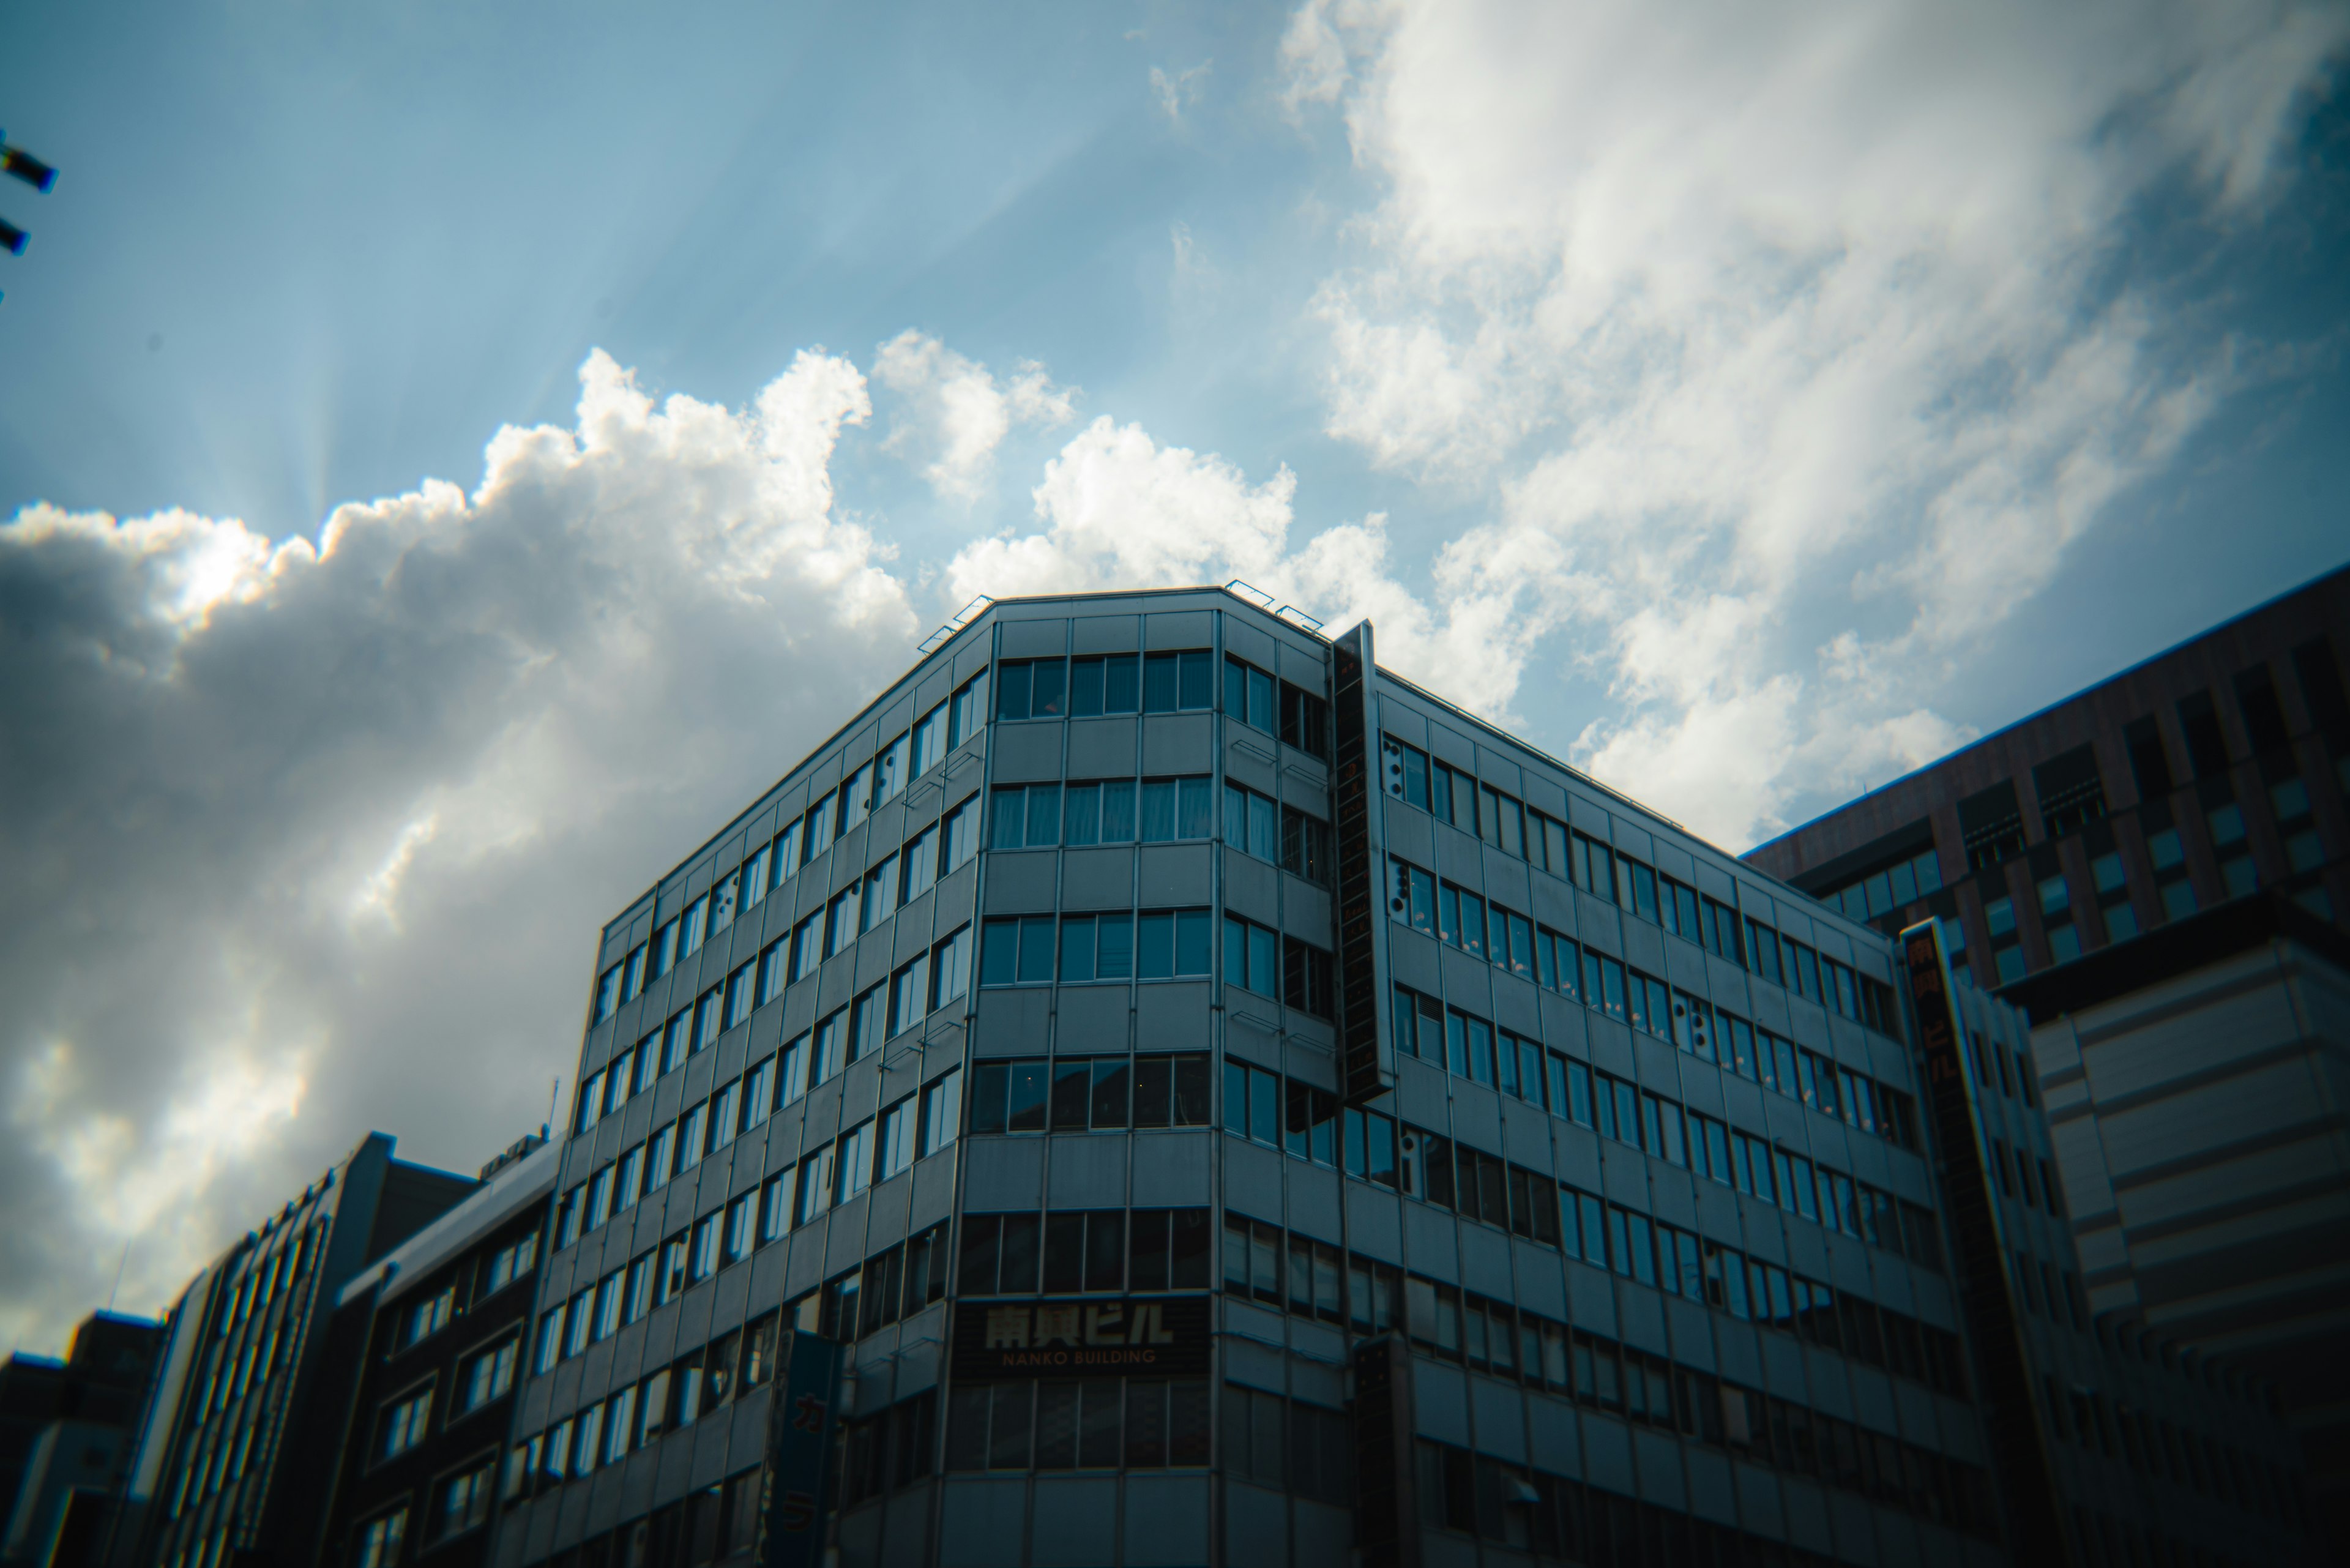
x=439, y=1322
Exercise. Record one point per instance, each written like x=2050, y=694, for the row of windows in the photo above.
x=1089, y=1093
x=1076, y=1251
x=887, y=1449
x=435, y=1312
x=895, y=1282
x=1306, y=1121
x=1534, y=1511
x=918, y=987
x=1154, y=944
x=1305, y=1277
x=868, y=786
x=1132, y=1423
x=1608, y=873
x=1288, y=1444
x=1580, y=974
x=913, y=1127
x=483, y=1376
x=2159, y=1450
x=711, y=1524
x=1110, y=811
x=1089, y=688
x=1888, y=888
x=457, y=1503
x=1262, y=701
x=1262, y=960
x=1296, y=841
x=2015, y=1178
x=1618, y=1109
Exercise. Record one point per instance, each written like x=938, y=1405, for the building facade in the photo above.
x=439, y=1322
x=238, y=1442
x=2197, y=1083
x=65, y=1438
x=1237, y=1107
x=2111, y=1444
x=2155, y=870
x=2209, y=771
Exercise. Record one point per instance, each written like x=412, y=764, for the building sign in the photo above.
x=800, y=1425
x=1366, y=1057
x=1387, y=1483
x=1987, y=1292
x=1083, y=1338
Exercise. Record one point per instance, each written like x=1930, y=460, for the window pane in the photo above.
x=1012, y=691
x=1194, y=798
x=1085, y=687
x=1027, y=1098
x=1155, y=945
x=1196, y=681
x=1113, y=950
x=1118, y=811
x=1043, y=815
x=1109, y=1092
x=1158, y=810
x=1192, y=941
x=1121, y=683
x=1008, y=819
x=1159, y=683
x=1083, y=817
x=1076, y=947
x=1036, y=948
x=1048, y=696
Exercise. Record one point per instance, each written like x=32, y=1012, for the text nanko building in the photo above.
x=1147, y=1015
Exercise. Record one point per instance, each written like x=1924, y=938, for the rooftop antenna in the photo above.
x=553, y=1090
x=118, y=1272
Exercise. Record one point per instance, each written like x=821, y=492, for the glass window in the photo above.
x=1998, y=915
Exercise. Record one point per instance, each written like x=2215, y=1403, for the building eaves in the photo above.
x=2168, y=951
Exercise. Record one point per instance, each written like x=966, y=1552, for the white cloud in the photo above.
x=320, y=834
x=953, y=414
x=1762, y=325
x=1120, y=511
x=1179, y=89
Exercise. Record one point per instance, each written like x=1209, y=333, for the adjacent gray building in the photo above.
x=243, y=1427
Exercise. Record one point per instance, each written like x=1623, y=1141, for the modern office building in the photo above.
x=2208, y=771
x=2158, y=871
x=238, y=1443
x=1237, y=1107
x=2197, y=1083
x=437, y=1326
x=2111, y=1444
x=65, y=1438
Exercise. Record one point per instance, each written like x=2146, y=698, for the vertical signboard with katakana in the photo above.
x=799, y=1453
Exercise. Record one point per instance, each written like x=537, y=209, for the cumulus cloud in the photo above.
x=1768, y=323
x=1117, y=510
x=952, y=414
x=311, y=837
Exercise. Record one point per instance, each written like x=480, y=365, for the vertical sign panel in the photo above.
x=1366, y=1056
x=2035, y=1517
x=799, y=1454
x=1386, y=1513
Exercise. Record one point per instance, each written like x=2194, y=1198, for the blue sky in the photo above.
x=1749, y=402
